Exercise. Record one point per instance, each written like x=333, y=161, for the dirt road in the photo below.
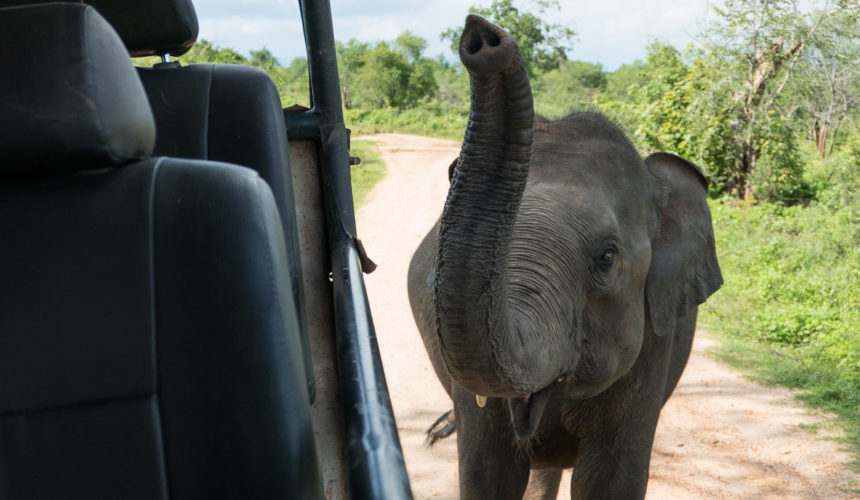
x=719, y=436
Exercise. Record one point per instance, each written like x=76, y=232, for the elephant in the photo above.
x=557, y=294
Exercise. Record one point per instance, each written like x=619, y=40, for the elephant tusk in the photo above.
x=481, y=400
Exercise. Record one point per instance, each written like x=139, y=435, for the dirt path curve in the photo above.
x=719, y=436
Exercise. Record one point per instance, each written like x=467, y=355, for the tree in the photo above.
x=676, y=110
x=206, y=51
x=571, y=86
x=453, y=83
x=350, y=59
x=829, y=79
x=422, y=79
x=670, y=103
x=263, y=58
x=620, y=81
x=292, y=81
x=760, y=43
x=386, y=74
x=544, y=45
x=384, y=78
x=411, y=44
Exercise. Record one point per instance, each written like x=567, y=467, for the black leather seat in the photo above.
x=148, y=340
x=220, y=112
x=230, y=113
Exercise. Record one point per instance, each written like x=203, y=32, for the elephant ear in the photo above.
x=451, y=168
x=684, y=270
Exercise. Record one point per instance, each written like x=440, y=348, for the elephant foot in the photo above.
x=443, y=427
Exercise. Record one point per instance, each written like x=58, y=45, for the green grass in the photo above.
x=789, y=312
x=431, y=120
x=368, y=173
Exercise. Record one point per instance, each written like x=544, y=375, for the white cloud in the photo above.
x=282, y=36
x=612, y=32
x=369, y=28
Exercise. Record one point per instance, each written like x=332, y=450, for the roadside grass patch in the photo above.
x=429, y=119
x=789, y=311
x=368, y=173
x=816, y=387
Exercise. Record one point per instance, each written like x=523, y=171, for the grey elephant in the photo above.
x=557, y=295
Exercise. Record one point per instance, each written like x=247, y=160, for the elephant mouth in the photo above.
x=526, y=412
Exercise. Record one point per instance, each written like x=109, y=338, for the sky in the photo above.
x=610, y=32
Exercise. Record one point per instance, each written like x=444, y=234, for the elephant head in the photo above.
x=560, y=251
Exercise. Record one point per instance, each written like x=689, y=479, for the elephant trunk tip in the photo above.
x=484, y=47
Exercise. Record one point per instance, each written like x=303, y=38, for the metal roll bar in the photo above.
x=376, y=466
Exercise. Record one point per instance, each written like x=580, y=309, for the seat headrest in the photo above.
x=147, y=27
x=70, y=99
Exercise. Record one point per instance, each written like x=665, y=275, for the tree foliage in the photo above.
x=828, y=84
x=734, y=103
x=386, y=74
x=571, y=86
x=761, y=40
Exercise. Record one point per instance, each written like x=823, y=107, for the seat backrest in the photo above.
x=220, y=112
x=229, y=113
x=148, y=341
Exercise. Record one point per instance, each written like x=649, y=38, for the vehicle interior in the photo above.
x=183, y=312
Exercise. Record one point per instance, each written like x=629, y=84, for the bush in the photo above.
x=778, y=176
x=835, y=179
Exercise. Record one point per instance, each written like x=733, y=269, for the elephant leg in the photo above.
x=543, y=484
x=491, y=465
x=615, y=466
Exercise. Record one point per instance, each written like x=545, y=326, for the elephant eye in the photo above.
x=606, y=257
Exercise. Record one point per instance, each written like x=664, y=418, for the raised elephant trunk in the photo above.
x=487, y=348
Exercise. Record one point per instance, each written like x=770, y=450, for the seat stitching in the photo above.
x=273, y=281
x=209, y=109
x=153, y=317
x=78, y=404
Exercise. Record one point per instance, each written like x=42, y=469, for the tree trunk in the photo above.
x=821, y=143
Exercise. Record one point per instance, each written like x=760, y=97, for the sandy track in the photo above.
x=719, y=436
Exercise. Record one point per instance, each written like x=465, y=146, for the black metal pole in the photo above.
x=376, y=465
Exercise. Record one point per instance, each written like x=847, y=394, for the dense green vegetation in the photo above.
x=430, y=119
x=768, y=104
x=790, y=308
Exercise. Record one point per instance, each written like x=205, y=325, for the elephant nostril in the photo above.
x=475, y=43
x=493, y=39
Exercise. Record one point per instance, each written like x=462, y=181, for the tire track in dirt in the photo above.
x=719, y=436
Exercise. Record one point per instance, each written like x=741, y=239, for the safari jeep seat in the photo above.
x=219, y=112
x=148, y=336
